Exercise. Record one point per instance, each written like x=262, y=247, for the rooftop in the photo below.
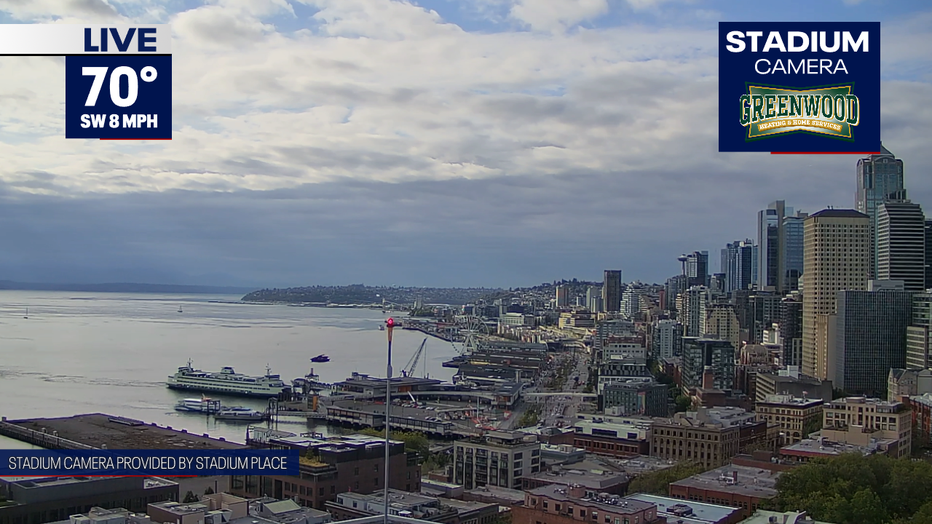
x=740, y=480
x=790, y=400
x=592, y=480
x=613, y=504
x=101, y=430
x=811, y=447
x=790, y=517
x=35, y=483
x=838, y=213
x=686, y=511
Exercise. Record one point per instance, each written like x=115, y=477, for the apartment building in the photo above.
x=791, y=414
x=858, y=420
x=498, y=459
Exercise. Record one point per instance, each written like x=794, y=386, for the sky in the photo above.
x=496, y=143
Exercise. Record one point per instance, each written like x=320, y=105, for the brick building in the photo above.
x=710, y=436
x=736, y=486
x=791, y=414
x=608, y=435
x=555, y=505
x=335, y=465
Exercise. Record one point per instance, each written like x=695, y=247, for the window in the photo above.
x=320, y=491
x=356, y=470
x=545, y=504
x=333, y=489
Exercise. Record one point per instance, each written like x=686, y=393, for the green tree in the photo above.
x=413, y=440
x=209, y=491
x=657, y=482
x=189, y=497
x=812, y=426
x=683, y=403
x=854, y=489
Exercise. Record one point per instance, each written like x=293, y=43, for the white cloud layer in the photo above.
x=382, y=91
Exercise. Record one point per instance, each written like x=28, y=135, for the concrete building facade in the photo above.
x=836, y=256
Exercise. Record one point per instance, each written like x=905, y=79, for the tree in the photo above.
x=854, y=489
x=190, y=497
x=413, y=440
x=812, y=426
x=657, y=482
x=209, y=491
x=683, y=403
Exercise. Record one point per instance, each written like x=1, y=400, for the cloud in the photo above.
x=48, y=10
x=383, y=141
x=550, y=15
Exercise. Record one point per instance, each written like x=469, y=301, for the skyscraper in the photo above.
x=769, y=225
x=928, y=254
x=919, y=332
x=730, y=265
x=737, y=263
x=835, y=258
x=792, y=246
x=667, y=339
x=563, y=296
x=901, y=244
x=698, y=353
x=594, y=299
x=696, y=268
x=791, y=329
x=879, y=176
x=692, y=306
x=611, y=290
x=869, y=329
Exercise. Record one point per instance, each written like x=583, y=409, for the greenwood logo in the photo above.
x=769, y=111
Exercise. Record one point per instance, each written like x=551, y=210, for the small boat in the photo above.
x=239, y=413
x=321, y=358
x=198, y=405
x=27, y=313
x=381, y=327
x=180, y=310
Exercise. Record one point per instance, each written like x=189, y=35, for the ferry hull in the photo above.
x=225, y=390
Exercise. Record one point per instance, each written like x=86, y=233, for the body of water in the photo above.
x=112, y=353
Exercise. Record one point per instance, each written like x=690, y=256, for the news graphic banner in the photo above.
x=160, y=463
x=118, y=79
x=799, y=87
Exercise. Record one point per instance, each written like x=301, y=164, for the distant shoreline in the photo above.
x=118, y=287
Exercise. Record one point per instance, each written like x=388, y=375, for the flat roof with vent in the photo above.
x=100, y=430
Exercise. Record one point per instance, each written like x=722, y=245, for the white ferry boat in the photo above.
x=240, y=413
x=198, y=405
x=227, y=381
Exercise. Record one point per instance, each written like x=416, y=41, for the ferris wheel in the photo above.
x=471, y=334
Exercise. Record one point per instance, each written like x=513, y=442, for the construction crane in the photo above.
x=409, y=368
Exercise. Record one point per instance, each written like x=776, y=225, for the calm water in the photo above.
x=111, y=353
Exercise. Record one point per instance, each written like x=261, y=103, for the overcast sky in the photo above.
x=436, y=143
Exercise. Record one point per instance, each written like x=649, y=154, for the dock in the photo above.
x=101, y=431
